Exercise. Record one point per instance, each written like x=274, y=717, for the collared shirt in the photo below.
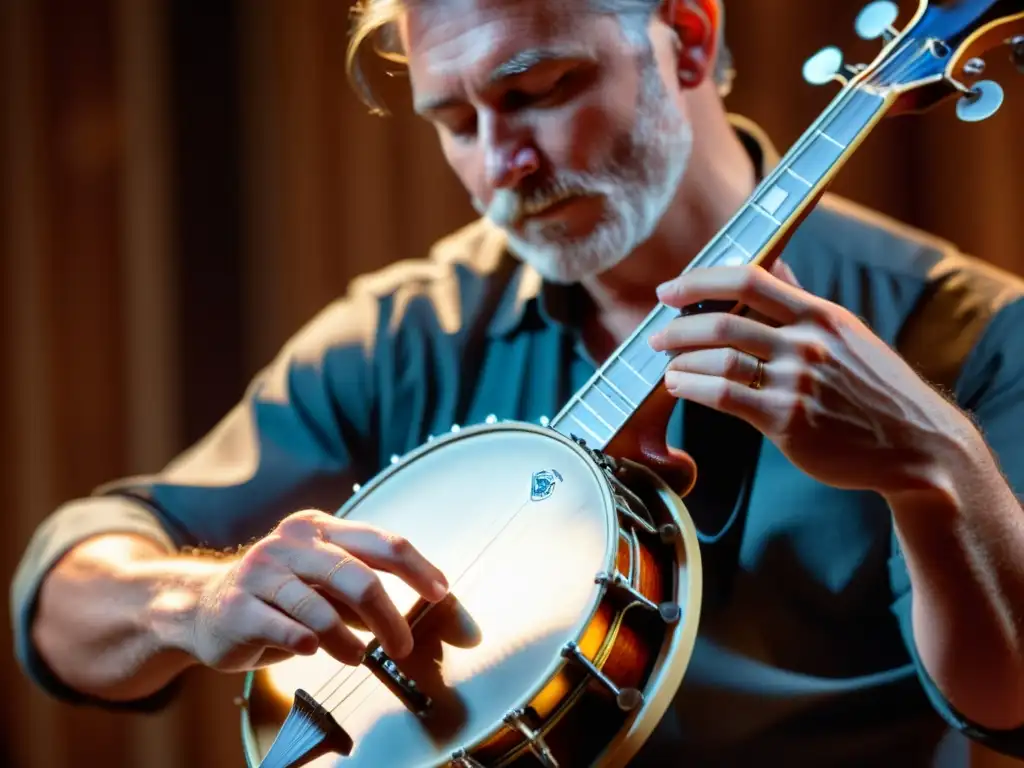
x=805, y=651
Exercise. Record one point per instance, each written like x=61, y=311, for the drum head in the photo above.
x=520, y=520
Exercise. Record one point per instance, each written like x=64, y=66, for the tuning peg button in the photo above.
x=981, y=102
x=876, y=19
x=823, y=66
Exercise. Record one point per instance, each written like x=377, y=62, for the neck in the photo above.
x=718, y=179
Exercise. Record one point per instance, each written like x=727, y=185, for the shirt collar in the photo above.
x=528, y=296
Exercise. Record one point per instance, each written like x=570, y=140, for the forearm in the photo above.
x=962, y=536
x=114, y=616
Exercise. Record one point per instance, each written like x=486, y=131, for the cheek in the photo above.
x=581, y=139
x=466, y=163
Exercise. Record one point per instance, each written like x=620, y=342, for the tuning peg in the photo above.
x=824, y=66
x=1017, y=52
x=974, y=67
x=876, y=19
x=980, y=102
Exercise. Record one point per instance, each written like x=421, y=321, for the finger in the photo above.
x=261, y=625
x=354, y=583
x=717, y=331
x=783, y=271
x=723, y=395
x=307, y=606
x=731, y=364
x=388, y=552
x=750, y=286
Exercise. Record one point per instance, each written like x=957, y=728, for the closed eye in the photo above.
x=563, y=88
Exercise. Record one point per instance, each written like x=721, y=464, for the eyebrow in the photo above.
x=516, y=65
x=522, y=62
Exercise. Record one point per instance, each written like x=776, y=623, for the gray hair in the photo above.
x=635, y=14
x=378, y=16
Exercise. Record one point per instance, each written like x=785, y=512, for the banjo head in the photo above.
x=520, y=520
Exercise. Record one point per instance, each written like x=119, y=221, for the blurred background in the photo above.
x=185, y=182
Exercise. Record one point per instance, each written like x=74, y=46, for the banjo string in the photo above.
x=465, y=573
x=494, y=538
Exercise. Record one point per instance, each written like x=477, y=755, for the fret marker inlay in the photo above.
x=773, y=198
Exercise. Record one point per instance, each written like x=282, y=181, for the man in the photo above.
x=864, y=560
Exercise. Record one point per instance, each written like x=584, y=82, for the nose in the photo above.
x=510, y=156
x=507, y=167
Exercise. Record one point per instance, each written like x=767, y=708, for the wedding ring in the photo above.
x=758, y=379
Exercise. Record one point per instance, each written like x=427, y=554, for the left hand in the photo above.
x=837, y=401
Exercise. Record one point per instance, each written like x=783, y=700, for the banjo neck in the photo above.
x=606, y=403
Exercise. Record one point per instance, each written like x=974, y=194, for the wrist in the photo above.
x=938, y=473
x=178, y=588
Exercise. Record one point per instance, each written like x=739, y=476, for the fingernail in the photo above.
x=670, y=382
x=440, y=589
x=663, y=290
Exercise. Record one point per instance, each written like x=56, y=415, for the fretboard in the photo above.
x=599, y=410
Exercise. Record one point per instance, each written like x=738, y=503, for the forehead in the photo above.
x=452, y=38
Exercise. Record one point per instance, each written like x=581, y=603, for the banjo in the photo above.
x=575, y=591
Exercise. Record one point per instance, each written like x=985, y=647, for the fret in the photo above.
x=813, y=159
x=625, y=382
x=596, y=414
x=853, y=117
x=603, y=381
x=751, y=230
x=636, y=373
x=816, y=158
x=648, y=364
x=601, y=408
x=826, y=137
x=732, y=241
x=603, y=412
x=652, y=365
x=594, y=433
x=798, y=177
x=721, y=252
x=600, y=391
x=770, y=214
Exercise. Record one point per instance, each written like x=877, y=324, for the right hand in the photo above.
x=286, y=594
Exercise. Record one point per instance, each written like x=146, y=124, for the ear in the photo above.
x=696, y=22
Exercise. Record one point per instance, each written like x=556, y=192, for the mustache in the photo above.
x=509, y=206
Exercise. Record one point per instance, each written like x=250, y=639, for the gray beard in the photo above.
x=637, y=185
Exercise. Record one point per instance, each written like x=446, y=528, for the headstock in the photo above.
x=937, y=55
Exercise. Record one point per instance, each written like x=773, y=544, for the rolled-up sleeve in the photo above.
x=299, y=438
x=991, y=389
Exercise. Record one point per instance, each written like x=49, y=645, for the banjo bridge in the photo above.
x=387, y=671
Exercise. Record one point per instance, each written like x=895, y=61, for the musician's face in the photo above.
x=567, y=128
